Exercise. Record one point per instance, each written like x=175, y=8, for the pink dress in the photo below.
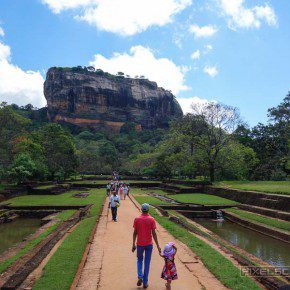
x=169, y=271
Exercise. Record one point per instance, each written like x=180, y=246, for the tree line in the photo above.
x=210, y=143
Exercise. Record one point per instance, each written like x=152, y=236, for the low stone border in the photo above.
x=268, y=200
x=258, y=227
x=266, y=211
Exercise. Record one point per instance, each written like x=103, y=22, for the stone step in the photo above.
x=266, y=211
x=269, y=199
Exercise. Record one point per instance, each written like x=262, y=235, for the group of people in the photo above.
x=116, y=190
x=120, y=188
x=143, y=235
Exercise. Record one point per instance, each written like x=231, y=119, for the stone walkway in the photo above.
x=112, y=265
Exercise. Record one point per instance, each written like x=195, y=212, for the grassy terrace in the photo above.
x=90, y=182
x=180, y=185
x=60, y=270
x=107, y=181
x=279, y=187
x=46, y=186
x=271, y=222
x=220, y=266
x=205, y=199
x=61, y=199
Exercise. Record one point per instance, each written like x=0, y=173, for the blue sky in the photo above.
x=232, y=51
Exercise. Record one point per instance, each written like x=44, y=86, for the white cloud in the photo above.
x=207, y=48
x=2, y=33
x=210, y=70
x=195, y=54
x=142, y=61
x=4, y=52
x=18, y=86
x=125, y=17
x=241, y=17
x=186, y=103
x=58, y=6
x=203, y=31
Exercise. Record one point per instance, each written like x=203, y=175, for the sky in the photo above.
x=232, y=51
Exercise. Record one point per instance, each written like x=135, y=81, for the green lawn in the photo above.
x=89, y=182
x=60, y=270
x=179, y=185
x=220, y=266
x=46, y=186
x=61, y=216
x=61, y=199
x=144, y=198
x=206, y=199
x=280, y=187
x=144, y=190
x=272, y=222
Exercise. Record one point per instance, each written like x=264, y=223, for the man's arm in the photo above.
x=156, y=240
x=134, y=241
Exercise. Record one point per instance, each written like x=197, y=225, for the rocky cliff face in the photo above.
x=100, y=100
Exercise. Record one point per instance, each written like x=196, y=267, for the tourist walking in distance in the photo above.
x=114, y=204
x=108, y=188
x=121, y=191
x=125, y=191
x=169, y=271
x=144, y=230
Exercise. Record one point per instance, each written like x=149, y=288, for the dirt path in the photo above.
x=112, y=265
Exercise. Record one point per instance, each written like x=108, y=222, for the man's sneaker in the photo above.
x=145, y=286
x=139, y=282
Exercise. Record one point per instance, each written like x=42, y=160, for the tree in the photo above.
x=161, y=168
x=59, y=149
x=12, y=125
x=209, y=128
x=35, y=151
x=236, y=162
x=22, y=168
x=281, y=113
x=271, y=143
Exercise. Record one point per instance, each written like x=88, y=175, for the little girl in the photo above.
x=169, y=272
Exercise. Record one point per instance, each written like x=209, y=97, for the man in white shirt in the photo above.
x=114, y=204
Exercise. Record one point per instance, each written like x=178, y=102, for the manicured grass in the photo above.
x=61, y=199
x=143, y=190
x=60, y=270
x=272, y=222
x=179, y=185
x=205, y=199
x=141, y=193
x=223, y=269
x=280, y=187
x=61, y=216
x=46, y=186
x=89, y=182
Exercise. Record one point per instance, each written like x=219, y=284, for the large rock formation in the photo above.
x=83, y=97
